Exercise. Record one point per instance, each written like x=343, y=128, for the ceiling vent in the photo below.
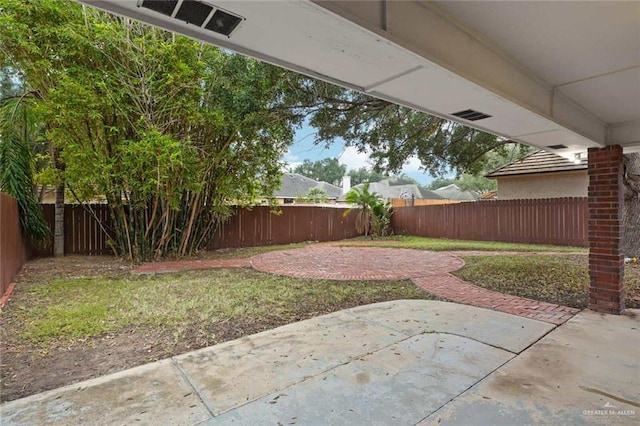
x=165, y=7
x=223, y=22
x=557, y=146
x=193, y=12
x=471, y=115
x=196, y=13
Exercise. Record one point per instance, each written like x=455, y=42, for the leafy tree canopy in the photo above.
x=17, y=134
x=492, y=160
x=327, y=170
x=170, y=130
x=393, y=133
x=365, y=174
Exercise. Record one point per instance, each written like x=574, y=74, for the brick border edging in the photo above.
x=448, y=286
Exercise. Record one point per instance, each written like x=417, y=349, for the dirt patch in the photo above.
x=71, y=267
x=27, y=371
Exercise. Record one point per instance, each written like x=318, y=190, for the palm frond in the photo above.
x=16, y=170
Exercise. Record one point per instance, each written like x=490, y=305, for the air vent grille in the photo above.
x=196, y=13
x=193, y=12
x=223, y=23
x=471, y=115
x=560, y=146
x=165, y=7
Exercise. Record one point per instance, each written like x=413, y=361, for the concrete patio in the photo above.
x=404, y=362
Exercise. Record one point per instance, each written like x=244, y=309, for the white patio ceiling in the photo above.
x=548, y=73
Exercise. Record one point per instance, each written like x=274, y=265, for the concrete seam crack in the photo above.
x=205, y=401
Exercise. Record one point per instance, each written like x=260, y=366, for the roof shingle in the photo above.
x=452, y=192
x=538, y=162
x=293, y=185
x=388, y=189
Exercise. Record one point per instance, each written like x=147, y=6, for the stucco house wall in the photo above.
x=547, y=185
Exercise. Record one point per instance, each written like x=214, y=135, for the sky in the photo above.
x=303, y=148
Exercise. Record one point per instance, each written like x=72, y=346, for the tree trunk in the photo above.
x=631, y=210
x=58, y=236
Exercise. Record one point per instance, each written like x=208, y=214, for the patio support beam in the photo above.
x=606, y=259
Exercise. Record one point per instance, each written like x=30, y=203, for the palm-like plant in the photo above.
x=316, y=196
x=382, y=213
x=16, y=168
x=366, y=203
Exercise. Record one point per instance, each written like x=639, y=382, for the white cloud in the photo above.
x=291, y=160
x=290, y=157
x=354, y=159
x=412, y=165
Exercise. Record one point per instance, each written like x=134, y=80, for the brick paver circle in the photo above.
x=355, y=263
x=427, y=270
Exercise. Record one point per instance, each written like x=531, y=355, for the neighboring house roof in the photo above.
x=293, y=185
x=427, y=194
x=538, y=162
x=452, y=192
x=489, y=195
x=387, y=189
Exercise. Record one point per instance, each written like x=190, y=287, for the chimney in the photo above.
x=346, y=184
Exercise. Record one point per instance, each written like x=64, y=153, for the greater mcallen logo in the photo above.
x=609, y=409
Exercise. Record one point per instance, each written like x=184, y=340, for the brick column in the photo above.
x=606, y=259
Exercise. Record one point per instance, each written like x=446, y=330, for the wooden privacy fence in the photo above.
x=259, y=227
x=408, y=202
x=82, y=232
x=12, y=249
x=247, y=228
x=559, y=221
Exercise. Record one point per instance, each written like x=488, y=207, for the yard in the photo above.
x=560, y=277
x=563, y=280
x=75, y=318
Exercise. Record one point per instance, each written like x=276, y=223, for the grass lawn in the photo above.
x=443, y=244
x=60, y=329
x=556, y=279
x=69, y=309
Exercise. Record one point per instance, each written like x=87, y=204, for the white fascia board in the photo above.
x=423, y=29
x=626, y=134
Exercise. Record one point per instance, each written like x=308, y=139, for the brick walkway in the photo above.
x=177, y=266
x=355, y=263
x=427, y=270
x=452, y=288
